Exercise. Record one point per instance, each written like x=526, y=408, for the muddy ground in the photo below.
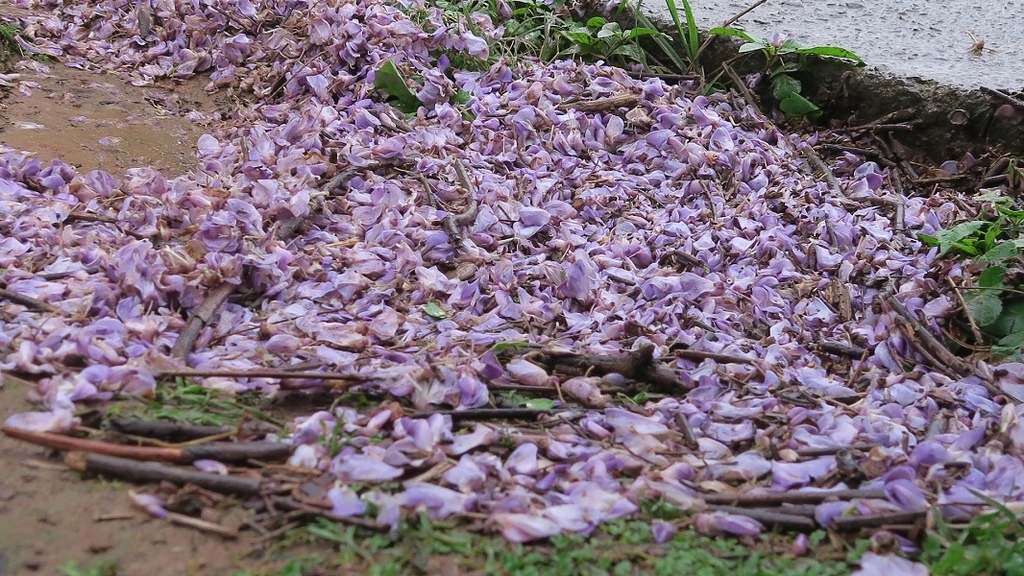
x=48, y=516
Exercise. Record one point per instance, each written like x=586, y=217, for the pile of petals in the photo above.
x=672, y=220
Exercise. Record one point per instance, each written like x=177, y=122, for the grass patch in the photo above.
x=192, y=404
x=618, y=548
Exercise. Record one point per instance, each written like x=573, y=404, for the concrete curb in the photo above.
x=955, y=113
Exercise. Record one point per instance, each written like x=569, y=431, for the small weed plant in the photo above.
x=784, y=58
x=994, y=246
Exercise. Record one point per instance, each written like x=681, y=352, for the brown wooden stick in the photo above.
x=236, y=452
x=683, y=425
x=203, y=525
x=716, y=356
x=637, y=365
x=830, y=450
x=609, y=103
x=29, y=302
x=70, y=443
x=857, y=522
x=841, y=349
x=931, y=346
x=143, y=472
x=165, y=430
x=779, y=498
x=221, y=451
x=489, y=413
x=257, y=373
x=203, y=315
x=769, y=517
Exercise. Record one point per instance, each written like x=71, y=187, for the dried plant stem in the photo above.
x=491, y=413
x=970, y=319
x=600, y=105
x=202, y=317
x=220, y=451
x=144, y=472
x=716, y=356
x=769, y=517
x=29, y=302
x=202, y=525
x=858, y=522
x=780, y=498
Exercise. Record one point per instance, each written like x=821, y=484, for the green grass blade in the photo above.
x=664, y=44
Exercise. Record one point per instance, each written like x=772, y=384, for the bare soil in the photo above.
x=48, y=514
x=95, y=121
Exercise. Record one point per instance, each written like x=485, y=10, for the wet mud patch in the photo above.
x=96, y=121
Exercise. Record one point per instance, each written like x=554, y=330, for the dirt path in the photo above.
x=96, y=121
x=48, y=515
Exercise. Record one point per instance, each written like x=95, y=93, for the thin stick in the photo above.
x=812, y=156
x=814, y=452
x=769, y=517
x=716, y=356
x=165, y=430
x=202, y=317
x=970, y=319
x=286, y=503
x=490, y=413
x=857, y=522
x=841, y=349
x=609, y=103
x=69, y=443
x=1004, y=96
x=220, y=451
x=779, y=498
x=144, y=472
x=29, y=302
x=946, y=358
x=199, y=524
x=742, y=13
x=742, y=87
x=256, y=373
x=683, y=424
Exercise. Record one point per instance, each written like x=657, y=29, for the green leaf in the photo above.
x=580, y=38
x=539, y=404
x=949, y=238
x=784, y=86
x=1001, y=251
x=720, y=31
x=631, y=52
x=461, y=97
x=830, y=52
x=984, y=306
x=434, y=311
x=502, y=346
x=1013, y=340
x=797, y=106
x=635, y=33
x=1010, y=321
x=610, y=30
x=390, y=81
x=789, y=47
x=596, y=22
x=992, y=277
x=753, y=47
x=928, y=239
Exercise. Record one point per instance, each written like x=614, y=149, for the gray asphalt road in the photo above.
x=929, y=39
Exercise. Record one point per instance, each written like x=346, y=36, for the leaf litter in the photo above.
x=560, y=231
